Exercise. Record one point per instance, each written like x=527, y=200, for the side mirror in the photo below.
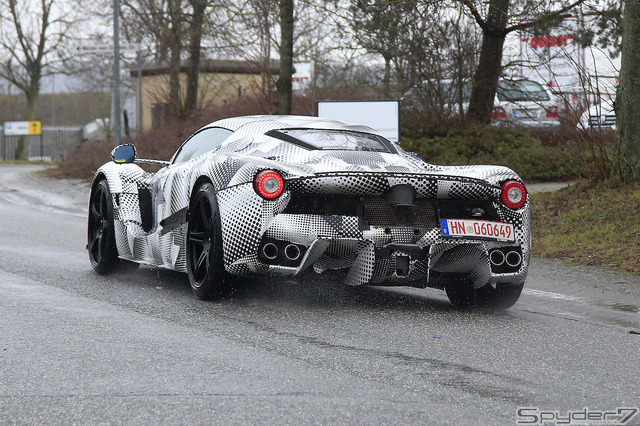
x=124, y=154
x=414, y=155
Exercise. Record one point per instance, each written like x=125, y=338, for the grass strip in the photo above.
x=589, y=224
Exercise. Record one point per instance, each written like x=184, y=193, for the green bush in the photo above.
x=513, y=148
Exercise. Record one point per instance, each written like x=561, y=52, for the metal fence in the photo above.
x=52, y=145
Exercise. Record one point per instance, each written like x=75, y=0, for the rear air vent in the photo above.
x=421, y=215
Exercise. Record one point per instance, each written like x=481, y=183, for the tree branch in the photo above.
x=529, y=24
x=476, y=14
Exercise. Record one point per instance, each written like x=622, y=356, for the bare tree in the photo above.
x=250, y=35
x=259, y=30
x=32, y=45
x=422, y=44
x=497, y=20
x=379, y=28
x=166, y=24
x=316, y=35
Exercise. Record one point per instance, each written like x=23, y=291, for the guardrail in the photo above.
x=52, y=145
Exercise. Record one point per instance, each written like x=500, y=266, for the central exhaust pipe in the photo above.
x=292, y=252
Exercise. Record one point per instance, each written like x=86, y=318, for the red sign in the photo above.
x=548, y=41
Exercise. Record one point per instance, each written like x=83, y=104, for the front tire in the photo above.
x=205, y=265
x=464, y=295
x=101, y=238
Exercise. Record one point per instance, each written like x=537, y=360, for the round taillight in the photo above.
x=513, y=194
x=268, y=184
x=498, y=113
x=552, y=112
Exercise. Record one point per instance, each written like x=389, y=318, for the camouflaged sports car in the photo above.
x=283, y=195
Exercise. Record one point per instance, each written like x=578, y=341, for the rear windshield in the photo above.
x=334, y=140
x=521, y=91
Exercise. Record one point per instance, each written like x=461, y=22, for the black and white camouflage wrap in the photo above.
x=368, y=251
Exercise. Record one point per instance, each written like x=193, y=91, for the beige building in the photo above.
x=220, y=81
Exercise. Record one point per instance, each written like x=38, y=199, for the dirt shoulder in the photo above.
x=22, y=184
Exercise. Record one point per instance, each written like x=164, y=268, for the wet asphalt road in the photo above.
x=139, y=348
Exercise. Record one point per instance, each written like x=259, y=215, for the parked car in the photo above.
x=282, y=195
x=599, y=117
x=517, y=102
x=98, y=129
x=524, y=103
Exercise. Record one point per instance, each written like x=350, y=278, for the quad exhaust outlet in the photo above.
x=270, y=251
x=513, y=259
x=284, y=253
x=505, y=260
x=497, y=258
x=292, y=252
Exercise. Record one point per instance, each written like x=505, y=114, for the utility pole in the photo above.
x=115, y=94
x=139, y=97
x=53, y=99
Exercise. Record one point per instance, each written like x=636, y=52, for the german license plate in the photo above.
x=524, y=113
x=477, y=229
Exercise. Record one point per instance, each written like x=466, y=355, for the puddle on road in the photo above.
x=622, y=307
x=602, y=311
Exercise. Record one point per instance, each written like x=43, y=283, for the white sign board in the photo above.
x=382, y=115
x=22, y=128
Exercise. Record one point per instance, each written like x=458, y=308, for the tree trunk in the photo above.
x=175, y=103
x=285, y=88
x=386, y=81
x=628, y=99
x=199, y=7
x=485, y=79
x=22, y=149
x=175, y=48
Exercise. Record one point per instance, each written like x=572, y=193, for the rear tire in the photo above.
x=205, y=264
x=464, y=295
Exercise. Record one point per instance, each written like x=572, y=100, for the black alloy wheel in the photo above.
x=101, y=241
x=205, y=266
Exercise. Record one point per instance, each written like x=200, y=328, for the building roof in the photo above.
x=219, y=66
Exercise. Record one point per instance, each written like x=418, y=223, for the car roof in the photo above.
x=260, y=124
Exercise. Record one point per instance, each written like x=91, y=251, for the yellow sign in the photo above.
x=35, y=127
